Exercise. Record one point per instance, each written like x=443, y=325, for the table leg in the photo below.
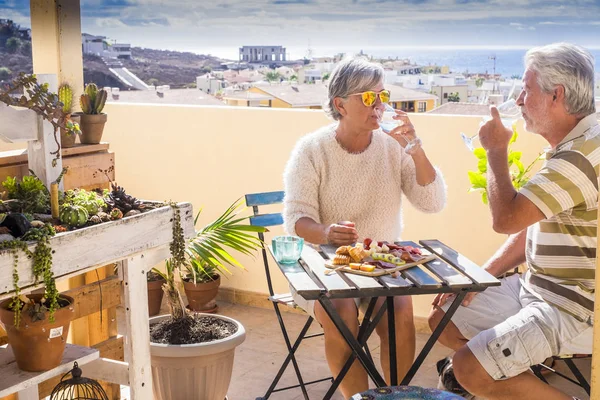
x=364, y=333
x=352, y=342
x=434, y=337
x=392, y=340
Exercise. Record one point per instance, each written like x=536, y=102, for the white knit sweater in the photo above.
x=326, y=183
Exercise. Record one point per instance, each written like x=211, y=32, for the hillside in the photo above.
x=155, y=67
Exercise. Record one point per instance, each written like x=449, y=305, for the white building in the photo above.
x=262, y=53
x=100, y=46
x=209, y=84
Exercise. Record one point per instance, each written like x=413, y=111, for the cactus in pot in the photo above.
x=92, y=103
x=65, y=96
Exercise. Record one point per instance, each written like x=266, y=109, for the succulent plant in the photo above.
x=105, y=217
x=116, y=213
x=65, y=96
x=73, y=215
x=90, y=200
x=93, y=99
x=95, y=220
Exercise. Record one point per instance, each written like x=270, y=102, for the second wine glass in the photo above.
x=509, y=111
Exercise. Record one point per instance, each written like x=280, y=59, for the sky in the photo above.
x=220, y=27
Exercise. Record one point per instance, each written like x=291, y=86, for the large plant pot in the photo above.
x=194, y=371
x=201, y=296
x=92, y=127
x=37, y=346
x=155, y=295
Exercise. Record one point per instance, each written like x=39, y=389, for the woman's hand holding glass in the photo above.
x=397, y=124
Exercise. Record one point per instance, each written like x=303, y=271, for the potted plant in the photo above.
x=65, y=95
x=192, y=353
x=25, y=91
x=92, y=118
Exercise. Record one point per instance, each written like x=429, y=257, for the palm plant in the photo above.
x=208, y=253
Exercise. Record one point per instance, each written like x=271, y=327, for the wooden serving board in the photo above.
x=380, y=271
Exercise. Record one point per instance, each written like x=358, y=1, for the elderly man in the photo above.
x=500, y=333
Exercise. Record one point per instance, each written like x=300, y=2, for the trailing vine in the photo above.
x=42, y=268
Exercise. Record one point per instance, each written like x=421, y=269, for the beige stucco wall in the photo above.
x=211, y=156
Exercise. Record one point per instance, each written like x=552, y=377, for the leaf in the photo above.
x=514, y=137
x=477, y=180
x=480, y=153
x=514, y=155
x=482, y=165
x=484, y=198
x=519, y=165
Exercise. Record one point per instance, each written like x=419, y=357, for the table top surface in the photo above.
x=449, y=272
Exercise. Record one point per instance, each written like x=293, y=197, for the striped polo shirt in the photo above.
x=561, y=249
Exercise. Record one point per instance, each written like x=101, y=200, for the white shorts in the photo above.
x=509, y=329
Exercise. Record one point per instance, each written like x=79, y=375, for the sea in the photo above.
x=508, y=62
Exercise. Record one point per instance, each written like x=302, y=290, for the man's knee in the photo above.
x=435, y=317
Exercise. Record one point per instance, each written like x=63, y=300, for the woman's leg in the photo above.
x=337, y=350
x=405, y=336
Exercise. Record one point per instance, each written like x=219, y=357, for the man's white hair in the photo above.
x=567, y=65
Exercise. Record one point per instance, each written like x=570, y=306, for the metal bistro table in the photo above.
x=454, y=272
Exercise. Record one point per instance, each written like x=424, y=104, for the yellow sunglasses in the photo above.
x=370, y=97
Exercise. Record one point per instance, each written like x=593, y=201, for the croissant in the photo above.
x=343, y=250
x=356, y=254
x=340, y=260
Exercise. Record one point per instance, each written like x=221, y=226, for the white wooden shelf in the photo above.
x=25, y=383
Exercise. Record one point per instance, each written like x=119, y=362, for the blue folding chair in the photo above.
x=274, y=219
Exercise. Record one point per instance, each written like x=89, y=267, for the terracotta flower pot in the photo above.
x=194, y=371
x=200, y=296
x=38, y=346
x=68, y=140
x=92, y=127
x=155, y=295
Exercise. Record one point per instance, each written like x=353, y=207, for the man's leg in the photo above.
x=474, y=378
x=405, y=336
x=337, y=350
x=450, y=337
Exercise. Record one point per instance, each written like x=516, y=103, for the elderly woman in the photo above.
x=344, y=183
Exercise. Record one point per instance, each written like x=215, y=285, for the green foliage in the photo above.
x=13, y=44
x=518, y=172
x=93, y=99
x=5, y=73
x=454, y=97
x=30, y=193
x=479, y=82
x=208, y=252
x=38, y=98
x=272, y=76
x=42, y=268
x=91, y=201
x=326, y=76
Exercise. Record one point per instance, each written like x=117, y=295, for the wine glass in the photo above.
x=509, y=111
x=388, y=123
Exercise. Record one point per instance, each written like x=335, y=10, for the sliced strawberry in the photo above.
x=367, y=242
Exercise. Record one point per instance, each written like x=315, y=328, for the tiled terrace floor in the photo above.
x=259, y=357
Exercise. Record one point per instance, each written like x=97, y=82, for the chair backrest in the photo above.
x=255, y=200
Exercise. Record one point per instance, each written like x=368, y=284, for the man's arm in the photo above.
x=511, y=211
x=509, y=256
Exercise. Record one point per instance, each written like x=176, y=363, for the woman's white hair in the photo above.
x=350, y=76
x=567, y=65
